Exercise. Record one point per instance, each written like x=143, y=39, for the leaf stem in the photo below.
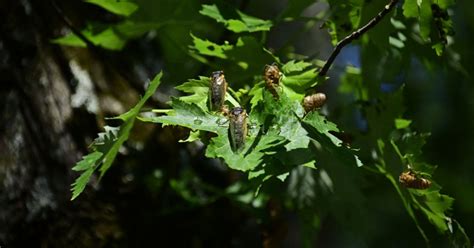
x=355, y=35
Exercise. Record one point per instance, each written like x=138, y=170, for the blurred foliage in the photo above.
x=322, y=172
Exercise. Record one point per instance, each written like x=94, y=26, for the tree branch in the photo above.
x=355, y=35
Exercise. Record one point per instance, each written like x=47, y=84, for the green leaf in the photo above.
x=132, y=113
x=319, y=129
x=406, y=202
x=199, y=90
x=410, y=147
x=199, y=93
x=426, y=17
x=107, y=145
x=206, y=47
x=256, y=94
x=129, y=119
x=107, y=39
x=239, y=22
x=444, y=4
x=395, y=42
x=283, y=176
x=249, y=55
x=345, y=17
x=434, y=205
x=439, y=48
x=410, y=8
x=323, y=126
x=285, y=114
x=213, y=12
x=191, y=116
x=193, y=136
x=431, y=15
x=443, y=28
x=80, y=184
x=88, y=164
x=87, y=161
x=119, y=7
x=111, y=37
x=431, y=202
x=402, y=123
x=296, y=157
x=252, y=154
x=294, y=66
x=296, y=80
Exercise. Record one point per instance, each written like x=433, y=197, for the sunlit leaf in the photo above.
x=88, y=164
x=206, y=47
x=402, y=123
x=198, y=90
x=239, y=22
x=285, y=114
x=410, y=8
x=250, y=157
x=191, y=116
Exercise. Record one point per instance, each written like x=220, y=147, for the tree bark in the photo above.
x=38, y=140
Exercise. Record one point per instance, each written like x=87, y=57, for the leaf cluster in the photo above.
x=281, y=133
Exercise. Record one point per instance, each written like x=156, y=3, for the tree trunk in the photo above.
x=39, y=138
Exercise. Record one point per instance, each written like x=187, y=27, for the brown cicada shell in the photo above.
x=237, y=128
x=217, y=91
x=411, y=180
x=314, y=101
x=272, y=76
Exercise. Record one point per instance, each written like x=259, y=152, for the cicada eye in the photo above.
x=237, y=111
x=216, y=75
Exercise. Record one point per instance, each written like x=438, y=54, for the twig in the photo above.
x=355, y=35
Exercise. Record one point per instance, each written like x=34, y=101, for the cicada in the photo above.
x=314, y=101
x=237, y=128
x=217, y=91
x=272, y=76
x=412, y=180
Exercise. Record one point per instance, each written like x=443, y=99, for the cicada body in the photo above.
x=237, y=128
x=272, y=79
x=411, y=180
x=217, y=91
x=314, y=101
